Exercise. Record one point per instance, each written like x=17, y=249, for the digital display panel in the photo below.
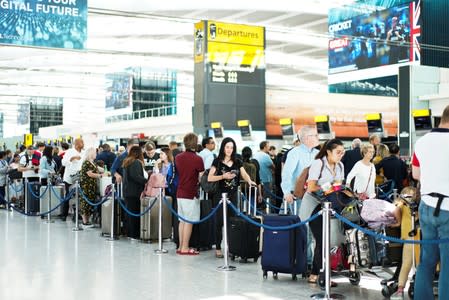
x=375, y=126
x=423, y=123
x=245, y=131
x=384, y=37
x=287, y=130
x=323, y=127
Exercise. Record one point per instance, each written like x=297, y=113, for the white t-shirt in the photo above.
x=23, y=163
x=431, y=156
x=362, y=174
x=71, y=167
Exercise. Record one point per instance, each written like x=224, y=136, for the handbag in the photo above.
x=208, y=186
x=352, y=212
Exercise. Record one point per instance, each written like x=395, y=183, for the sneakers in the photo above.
x=399, y=295
x=87, y=225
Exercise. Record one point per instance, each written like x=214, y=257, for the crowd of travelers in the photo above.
x=363, y=167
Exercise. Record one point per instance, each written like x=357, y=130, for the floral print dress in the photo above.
x=88, y=186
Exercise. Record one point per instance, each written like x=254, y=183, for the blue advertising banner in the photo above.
x=44, y=23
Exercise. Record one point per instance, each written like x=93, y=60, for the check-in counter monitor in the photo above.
x=436, y=121
x=245, y=129
x=288, y=128
x=217, y=129
x=324, y=128
x=422, y=120
x=375, y=124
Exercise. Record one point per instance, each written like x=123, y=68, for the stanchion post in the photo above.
x=226, y=266
x=326, y=213
x=49, y=187
x=7, y=196
x=77, y=206
x=160, y=250
x=111, y=236
x=25, y=193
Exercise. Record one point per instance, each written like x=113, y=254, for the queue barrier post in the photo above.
x=111, y=236
x=49, y=220
x=326, y=267
x=160, y=249
x=77, y=206
x=226, y=266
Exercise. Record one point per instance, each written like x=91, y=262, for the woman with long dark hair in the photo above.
x=134, y=179
x=325, y=169
x=227, y=170
x=47, y=165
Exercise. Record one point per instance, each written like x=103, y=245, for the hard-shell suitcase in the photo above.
x=106, y=215
x=284, y=251
x=56, y=195
x=359, y=248
x=244, y=237
x=203, y=234
x=33, y=195
x=149, y=223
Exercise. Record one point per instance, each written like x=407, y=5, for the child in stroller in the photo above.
x=407, y=202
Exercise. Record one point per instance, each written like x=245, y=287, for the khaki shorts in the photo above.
x=189, y=209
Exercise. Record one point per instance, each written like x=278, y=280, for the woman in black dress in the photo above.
x=228, y=170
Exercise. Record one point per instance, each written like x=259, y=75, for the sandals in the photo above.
x=189, y=252
x=314, y=279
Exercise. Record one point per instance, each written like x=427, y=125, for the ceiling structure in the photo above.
x=159, y=35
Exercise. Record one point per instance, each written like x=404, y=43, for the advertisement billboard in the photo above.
x=52, y=23
x=118, y=98
x=384, y=37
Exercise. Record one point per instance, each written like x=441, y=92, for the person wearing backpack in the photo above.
x=327, y=168
x=251, y=167
x=226, y=169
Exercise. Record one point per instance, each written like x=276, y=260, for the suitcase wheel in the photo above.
x=294, y=277
x=233, y=257
x=354, y=278
x=255, y=259
x=275, y=275
x=265, y=274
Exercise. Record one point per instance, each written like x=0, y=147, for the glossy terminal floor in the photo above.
x=49, y=261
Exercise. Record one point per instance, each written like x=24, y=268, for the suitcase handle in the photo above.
x=254, y=188
x=295, y=207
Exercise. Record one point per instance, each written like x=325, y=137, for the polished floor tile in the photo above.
x=49, y=261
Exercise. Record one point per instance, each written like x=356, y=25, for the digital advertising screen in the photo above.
x=383, y=37
x=51, y=23
x=118, y=93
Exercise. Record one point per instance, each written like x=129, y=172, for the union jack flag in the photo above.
x=415, y=30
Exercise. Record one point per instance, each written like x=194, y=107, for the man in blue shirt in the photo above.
x=298, y=159
x=266, y=167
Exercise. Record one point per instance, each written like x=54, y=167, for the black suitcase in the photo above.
x=203, y=234
x=33, y=197
x=244, y=238
x=284, y=251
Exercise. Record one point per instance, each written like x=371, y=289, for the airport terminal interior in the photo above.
x=109, y=76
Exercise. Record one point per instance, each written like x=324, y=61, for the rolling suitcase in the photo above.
x=33, y=197
x=106, y=214
x=244, y=237
x=203, y=234
x=55, y=199
x=284, y=251
x=149, y=223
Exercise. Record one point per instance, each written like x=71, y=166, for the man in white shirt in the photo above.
x=430, y=165
x=72, y=162
x=206, y=154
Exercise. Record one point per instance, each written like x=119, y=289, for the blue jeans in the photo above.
x=433, y=228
